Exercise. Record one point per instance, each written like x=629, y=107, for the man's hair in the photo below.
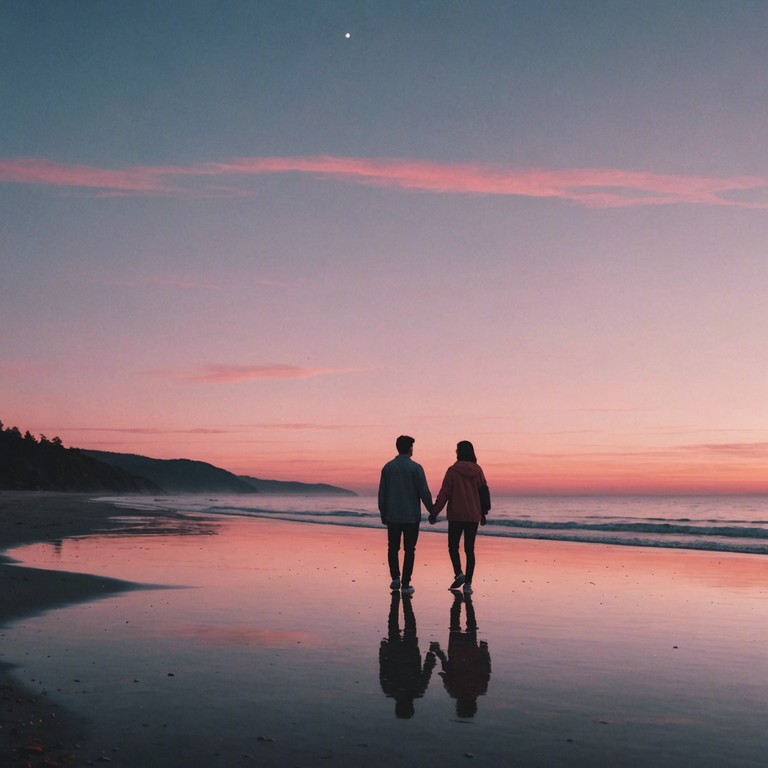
x=465, y=451
x=404, y=443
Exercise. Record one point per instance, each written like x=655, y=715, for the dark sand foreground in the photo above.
x=286, y=649
x=32, y=730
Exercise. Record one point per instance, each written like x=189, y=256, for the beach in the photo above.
x=150, y=638
x=32, y=730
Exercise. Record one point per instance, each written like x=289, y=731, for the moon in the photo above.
x=347, y=35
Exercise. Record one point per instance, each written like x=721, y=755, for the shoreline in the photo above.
x=34, y=731
x=677, y=524
x=30, y=517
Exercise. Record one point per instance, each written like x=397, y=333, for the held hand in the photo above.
x=483, y=520
x=432, y=519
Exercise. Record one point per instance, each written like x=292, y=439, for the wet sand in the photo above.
x=288, y=649
x=33, y=730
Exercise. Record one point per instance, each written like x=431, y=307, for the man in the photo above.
x=402, y=488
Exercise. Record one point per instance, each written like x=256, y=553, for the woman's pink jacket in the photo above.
x=460, y=490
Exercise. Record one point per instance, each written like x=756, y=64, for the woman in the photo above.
x=461, y=490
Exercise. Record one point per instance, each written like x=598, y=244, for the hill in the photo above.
x=176, y=475
x=294, y=488
x=29, y=464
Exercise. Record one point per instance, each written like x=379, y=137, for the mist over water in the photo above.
x=714, y=523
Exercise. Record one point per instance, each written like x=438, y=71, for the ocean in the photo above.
x=711, y=523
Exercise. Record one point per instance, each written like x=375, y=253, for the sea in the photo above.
x=711, y=523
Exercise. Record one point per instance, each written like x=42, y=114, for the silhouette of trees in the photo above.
x=30, y=464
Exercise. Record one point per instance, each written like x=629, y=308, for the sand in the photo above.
x=32, y=730
x=280, y=653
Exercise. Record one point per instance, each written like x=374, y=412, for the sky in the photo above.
x=274, y=236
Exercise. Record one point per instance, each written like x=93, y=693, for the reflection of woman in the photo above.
x=467, y=667
x=461, y=490
x=401, y=673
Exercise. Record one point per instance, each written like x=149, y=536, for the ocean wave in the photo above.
x=258, y=512
x=648, y=527
x=706, y=545
x=728, y=533
x=635, y=535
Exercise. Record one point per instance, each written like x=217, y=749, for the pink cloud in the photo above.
x=246, y=428
x=301, y=426
x=161, y=282
x=757, y=450
x=151, y=430
x=40, y=171
x=224, y=373
x=182, y=283
x=206, y=431
x=599, y=187
x=674, y=453
x=228, y=374
x=593, y=187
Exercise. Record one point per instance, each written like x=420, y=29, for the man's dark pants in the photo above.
x=409, y=533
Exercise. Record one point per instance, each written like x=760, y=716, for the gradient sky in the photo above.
x=275, y=235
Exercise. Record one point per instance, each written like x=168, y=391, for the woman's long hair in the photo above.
x=465, y=451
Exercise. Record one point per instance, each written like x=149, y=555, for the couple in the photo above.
x=403, y=487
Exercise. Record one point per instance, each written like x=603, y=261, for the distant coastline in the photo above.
x=188, y=476
x=291, y=487
x=28, y=463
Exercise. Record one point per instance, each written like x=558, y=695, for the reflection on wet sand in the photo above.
x=402, y=674
x=466, y=669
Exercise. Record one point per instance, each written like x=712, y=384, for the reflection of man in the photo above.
x=402, y=489
x=467, y=668
x=401, y=673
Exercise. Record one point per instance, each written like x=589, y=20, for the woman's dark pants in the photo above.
x=454, y=537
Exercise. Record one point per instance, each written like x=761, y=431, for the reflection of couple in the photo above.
x=466, y=669
x=401, y=672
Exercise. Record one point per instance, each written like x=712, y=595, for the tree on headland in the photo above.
x=27, y=463
x=46, y=465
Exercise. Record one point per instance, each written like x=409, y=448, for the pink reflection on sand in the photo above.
x=283, y=622
x=243, y=635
